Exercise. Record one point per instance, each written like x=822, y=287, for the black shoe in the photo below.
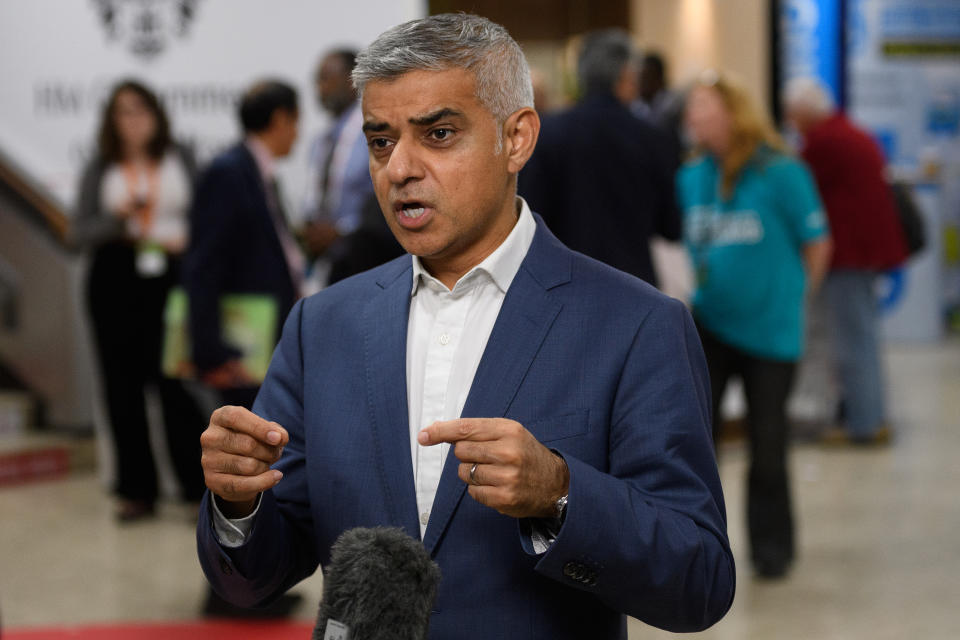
x=282, y=607
x=770, y=569
x=133, y=510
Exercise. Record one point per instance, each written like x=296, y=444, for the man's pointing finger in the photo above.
x=453, y=431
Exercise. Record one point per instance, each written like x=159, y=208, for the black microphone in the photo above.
x=380, y=585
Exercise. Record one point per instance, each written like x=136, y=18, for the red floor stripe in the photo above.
x=20, y=467
x=225, y=630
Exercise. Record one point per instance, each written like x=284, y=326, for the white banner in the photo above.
x=59, y=59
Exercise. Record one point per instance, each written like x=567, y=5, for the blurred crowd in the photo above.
x=768, y=230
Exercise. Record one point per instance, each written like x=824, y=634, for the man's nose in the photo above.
x=405, y=163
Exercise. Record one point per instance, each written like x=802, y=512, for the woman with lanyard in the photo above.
x=132, y=207
x=756, y=231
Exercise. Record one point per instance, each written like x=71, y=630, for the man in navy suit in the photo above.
x=539, y=420
x=239, y=239
x=602, y=177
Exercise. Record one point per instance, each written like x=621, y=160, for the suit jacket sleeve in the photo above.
x=648, y=537
x=281, y=548
x=208, y=263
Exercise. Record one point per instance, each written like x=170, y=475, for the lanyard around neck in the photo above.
x=145, y=198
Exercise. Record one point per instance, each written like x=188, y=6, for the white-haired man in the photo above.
x=867, y=239
x=539, y=420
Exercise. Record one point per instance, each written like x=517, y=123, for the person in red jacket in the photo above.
x=848, y=167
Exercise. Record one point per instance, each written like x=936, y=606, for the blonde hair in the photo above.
x=750, y=126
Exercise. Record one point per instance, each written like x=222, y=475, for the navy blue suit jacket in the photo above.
x=234, y=248
x=596, y=364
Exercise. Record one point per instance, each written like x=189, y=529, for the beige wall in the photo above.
x=693, y=35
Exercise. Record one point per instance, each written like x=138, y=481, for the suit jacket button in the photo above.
x=225, y=567
x=570, y=569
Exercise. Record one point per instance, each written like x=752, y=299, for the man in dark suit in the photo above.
x=539, y=420
x=239, y=240
x=345, y=232
x=602, y=177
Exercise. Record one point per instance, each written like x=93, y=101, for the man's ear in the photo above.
x=520, y=133
x=276, y=120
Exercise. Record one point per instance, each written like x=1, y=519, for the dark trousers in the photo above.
x=127, y=312
x=767, y=386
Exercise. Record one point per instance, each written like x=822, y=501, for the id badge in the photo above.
x=336, y=631
x=151, y=261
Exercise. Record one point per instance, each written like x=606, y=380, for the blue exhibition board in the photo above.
x=811, y=42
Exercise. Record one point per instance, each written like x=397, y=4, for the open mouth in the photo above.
x=412, y=210
x=412, y=214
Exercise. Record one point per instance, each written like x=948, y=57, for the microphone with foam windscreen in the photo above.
x=380, y=585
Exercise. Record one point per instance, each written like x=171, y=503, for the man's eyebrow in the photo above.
x=432, y=118
x=375, y=127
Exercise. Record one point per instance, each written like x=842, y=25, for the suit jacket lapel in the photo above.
x=385, y=359
x=526, y=316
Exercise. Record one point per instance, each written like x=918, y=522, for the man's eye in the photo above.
x=378, y=143
x=441, y=134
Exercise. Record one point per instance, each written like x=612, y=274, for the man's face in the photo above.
x=447, y=196
x=334, y=88
x=287, y=126
x=650, y=82
x=799, y=118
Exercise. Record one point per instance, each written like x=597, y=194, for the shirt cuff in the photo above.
x=232, y=532
x=543, y=532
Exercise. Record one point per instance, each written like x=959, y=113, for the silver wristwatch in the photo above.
x=561, y=506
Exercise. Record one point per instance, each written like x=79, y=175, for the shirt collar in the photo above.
x=264, y=159
x=501, y=266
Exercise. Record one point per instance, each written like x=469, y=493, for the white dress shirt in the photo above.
x=267, y=166
x=447, y=332
x=172, y=199
x=446, y=335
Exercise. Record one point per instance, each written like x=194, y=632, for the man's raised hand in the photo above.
x=238, y=448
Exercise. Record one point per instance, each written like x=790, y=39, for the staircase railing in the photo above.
x=39, y=202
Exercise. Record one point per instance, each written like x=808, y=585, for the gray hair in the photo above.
x=808, y=94
x=449, y=41
x=603, y=56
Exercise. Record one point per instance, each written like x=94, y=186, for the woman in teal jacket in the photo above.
x=756, y=232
